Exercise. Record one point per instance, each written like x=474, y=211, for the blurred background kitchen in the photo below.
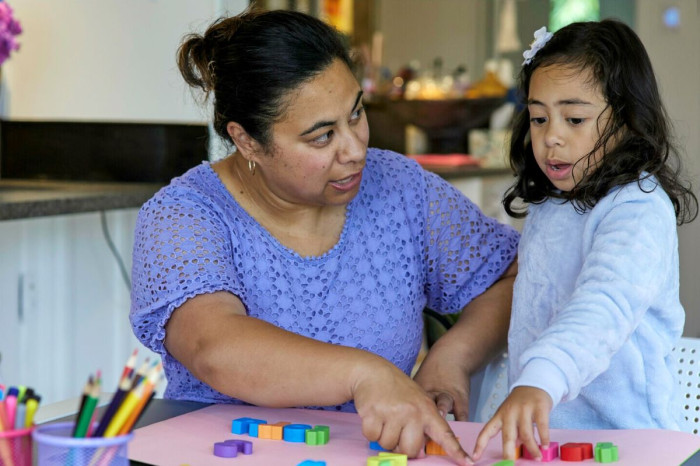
x=94, y=118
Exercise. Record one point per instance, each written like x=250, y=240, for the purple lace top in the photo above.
x=410, y=241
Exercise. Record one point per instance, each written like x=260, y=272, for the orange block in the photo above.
x=518, y=451
x=434, y=448
x=272, y=431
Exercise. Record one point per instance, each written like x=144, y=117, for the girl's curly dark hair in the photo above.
x=639, y=124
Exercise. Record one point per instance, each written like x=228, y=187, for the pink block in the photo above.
x=548, y=454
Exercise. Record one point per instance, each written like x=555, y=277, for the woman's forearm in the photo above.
x=259, y=363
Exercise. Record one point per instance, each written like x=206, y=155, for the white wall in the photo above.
x=105, y=60
x=675, y=55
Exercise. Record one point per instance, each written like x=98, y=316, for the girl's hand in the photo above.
x=515, y=417
x=399, y=414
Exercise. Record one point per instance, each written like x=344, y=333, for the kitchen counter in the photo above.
x=39, y=198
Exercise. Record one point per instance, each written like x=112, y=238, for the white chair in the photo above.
x=490, y=387
x=687, y=353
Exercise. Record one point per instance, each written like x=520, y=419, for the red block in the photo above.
x=576, y=451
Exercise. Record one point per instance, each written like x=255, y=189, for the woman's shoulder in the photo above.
x=386, y=169
x=199, y=181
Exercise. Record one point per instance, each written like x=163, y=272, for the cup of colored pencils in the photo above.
x=17, y=408
x=101, y=439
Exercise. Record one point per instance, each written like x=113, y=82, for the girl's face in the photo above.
x=568, y=114
x=320, y=145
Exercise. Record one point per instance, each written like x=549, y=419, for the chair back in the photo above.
x=687, y=354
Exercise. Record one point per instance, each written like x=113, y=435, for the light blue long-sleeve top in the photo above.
x=596, y=310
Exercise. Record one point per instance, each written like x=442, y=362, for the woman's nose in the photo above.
x=354, y=149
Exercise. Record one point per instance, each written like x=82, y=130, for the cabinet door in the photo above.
x=11, y=312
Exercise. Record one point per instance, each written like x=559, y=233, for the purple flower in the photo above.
x=9, y=28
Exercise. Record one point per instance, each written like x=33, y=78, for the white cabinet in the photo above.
x=64, y=303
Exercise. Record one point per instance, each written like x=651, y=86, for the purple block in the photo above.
x=224, y=450
x=243, y=446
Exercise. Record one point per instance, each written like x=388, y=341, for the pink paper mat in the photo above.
x=189, y=439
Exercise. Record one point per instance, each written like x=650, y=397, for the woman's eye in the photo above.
x=322, y=139
x=538, y=121
x=357, y=114
x=576, y=121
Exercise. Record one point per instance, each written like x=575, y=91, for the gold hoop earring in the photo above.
x=251, y=167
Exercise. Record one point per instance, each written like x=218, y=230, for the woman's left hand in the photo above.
x=441, y=378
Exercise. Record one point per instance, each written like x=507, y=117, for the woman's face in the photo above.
x=568, y=114
x=320, y=144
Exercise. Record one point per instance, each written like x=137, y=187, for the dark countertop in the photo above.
x=38, y=198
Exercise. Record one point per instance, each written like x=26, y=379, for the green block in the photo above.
x=605, y=452
x=319, y=435
x=387, y=459
x=504, y=463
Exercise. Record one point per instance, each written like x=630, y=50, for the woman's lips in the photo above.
x=347, y=184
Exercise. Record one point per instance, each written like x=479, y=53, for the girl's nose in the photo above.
x=552, y=136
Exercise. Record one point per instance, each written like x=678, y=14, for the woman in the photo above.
x=295, y=271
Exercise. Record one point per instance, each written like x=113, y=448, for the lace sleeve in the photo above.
x=182, y=248
x=466, y=251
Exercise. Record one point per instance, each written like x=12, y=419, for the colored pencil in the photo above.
x=86, y=414
x=86, y=392
x=129, y=366
x=114, y=404
x=153, y=378
x=140, y=374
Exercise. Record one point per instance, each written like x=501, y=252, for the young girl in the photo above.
x=596, y=309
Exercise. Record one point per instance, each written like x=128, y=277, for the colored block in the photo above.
x=242, y=425
x=253, y=428
x=231, y=448
x=295, y=432
x=272, y=431
x=518, y=451
x=312, y=463
x=434, y=448
x=504, y=463
x=376, y=446
x=319, y=435
x=385, y=458
x=605, y=452
x=548, y=454
x=576, y=451
x=244, y=446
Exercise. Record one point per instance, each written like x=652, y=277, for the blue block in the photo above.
x=242, y=425
x=312, y=463
x=295, y=432
x=376, y=446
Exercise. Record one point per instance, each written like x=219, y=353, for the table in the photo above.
x=189, y=438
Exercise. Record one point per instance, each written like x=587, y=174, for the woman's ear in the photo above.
x=245, y=144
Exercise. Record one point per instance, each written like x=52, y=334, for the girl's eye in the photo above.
x=537, y=121
x=324, y=138
x=576, y=121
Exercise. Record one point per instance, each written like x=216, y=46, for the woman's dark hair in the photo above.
x=637, y=137
x=251, y=62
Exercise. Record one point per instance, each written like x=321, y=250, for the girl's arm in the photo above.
x=257, y=362
x=477, y=336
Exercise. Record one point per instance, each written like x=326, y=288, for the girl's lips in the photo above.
x=347, y=184
x=558, y=171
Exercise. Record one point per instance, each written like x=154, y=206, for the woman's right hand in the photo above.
x=398, y=413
